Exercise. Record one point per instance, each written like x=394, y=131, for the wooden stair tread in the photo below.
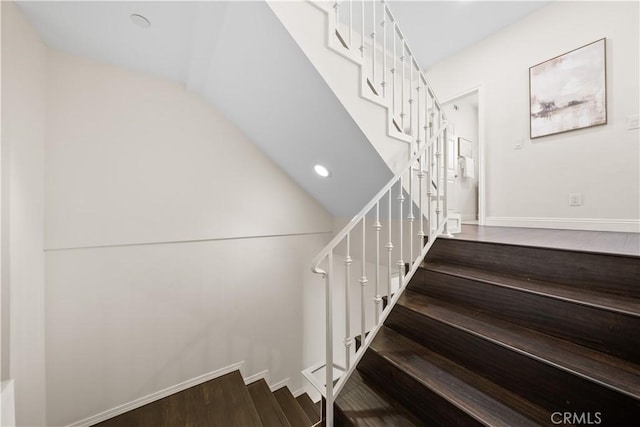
x=293, y=411
x=363, y=404
x=310, y=408
x=608, y=371
x=483, y=400
x=266, y=404
x=592, y=298
x=230, y=403
x=604, y=272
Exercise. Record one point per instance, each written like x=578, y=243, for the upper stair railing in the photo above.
x=382, y=246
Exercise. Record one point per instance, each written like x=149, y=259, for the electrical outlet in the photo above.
x=575, y=199
x=633, y=122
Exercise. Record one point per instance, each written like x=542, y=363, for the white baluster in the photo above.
x=446, y=180
x=410, y=99
x=420, y=190
x=410, y=217
x=418, y=174
x=389, y=247
x=347, y=323
x=393, y=72
x=377, y=299
x=373, y=45
x=402, y=64
x=384, y=49
x=329, y=338
x=438, y=178
x=350, y=23
x=336, y=7
x=362, y=32
x=363, y=282
x=401, y=221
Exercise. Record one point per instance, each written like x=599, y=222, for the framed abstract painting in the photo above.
x=569, y=92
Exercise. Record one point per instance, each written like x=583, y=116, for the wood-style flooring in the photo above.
x=583, y=240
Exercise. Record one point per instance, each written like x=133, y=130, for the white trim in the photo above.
x=279, y=384
x=299, y=392
x=264, y=375
x=7, y=404
x=594, y=224
x=118, y=410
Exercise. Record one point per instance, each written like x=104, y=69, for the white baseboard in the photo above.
x=591, y=224
x=264, y=375
x=298, y=392
x=7, y=404
x=156, y=396
x=279, y=384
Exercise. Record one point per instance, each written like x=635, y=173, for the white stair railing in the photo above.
x=391, y=77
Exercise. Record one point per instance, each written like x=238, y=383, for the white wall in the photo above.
x=530, y=186
x=24, y=64
x=174, y=246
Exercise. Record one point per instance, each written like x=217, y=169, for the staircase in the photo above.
x=224, y=402
x=505, y=335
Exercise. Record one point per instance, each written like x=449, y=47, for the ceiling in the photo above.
x=216, y=47
x=458, y=24
x=225, y=51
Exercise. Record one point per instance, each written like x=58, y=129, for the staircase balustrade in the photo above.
x=418, y=192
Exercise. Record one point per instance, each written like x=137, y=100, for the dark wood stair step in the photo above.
x=361, y=403
x=310, y=408
x=222, y=402
x=607, y=273
x=604, y=301
x=294, y=412
x=266, y=404
x=611, y=372
x=420, y=375
x=607, y=323
x=229, y=402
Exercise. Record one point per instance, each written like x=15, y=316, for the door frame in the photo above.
x=479, y=89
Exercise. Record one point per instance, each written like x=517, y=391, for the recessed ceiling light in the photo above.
x=140, y=20
x=322, y=171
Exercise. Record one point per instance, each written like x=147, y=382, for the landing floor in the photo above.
x=592, y=241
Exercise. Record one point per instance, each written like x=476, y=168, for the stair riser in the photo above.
x=603, y=330
x=423, y=402
x=543, y=384
x=603, y=272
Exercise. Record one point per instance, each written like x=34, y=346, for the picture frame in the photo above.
x=569, y=92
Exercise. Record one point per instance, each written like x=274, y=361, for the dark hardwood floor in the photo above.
x=582, y=240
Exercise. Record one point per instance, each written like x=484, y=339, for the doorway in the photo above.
x=465, y=128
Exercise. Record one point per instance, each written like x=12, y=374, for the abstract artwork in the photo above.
x=569, y=92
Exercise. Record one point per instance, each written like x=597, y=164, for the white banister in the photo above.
x=394, y=72
x=410, y=100
x=389, y=247
x=401, y=234
x=384, y=50
x=347, y=324
x=363, y=283
x=362, y=29
x=377, y=298
x=417, y=118
x=373, y=44
x=402, y=64
x=350, y=23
